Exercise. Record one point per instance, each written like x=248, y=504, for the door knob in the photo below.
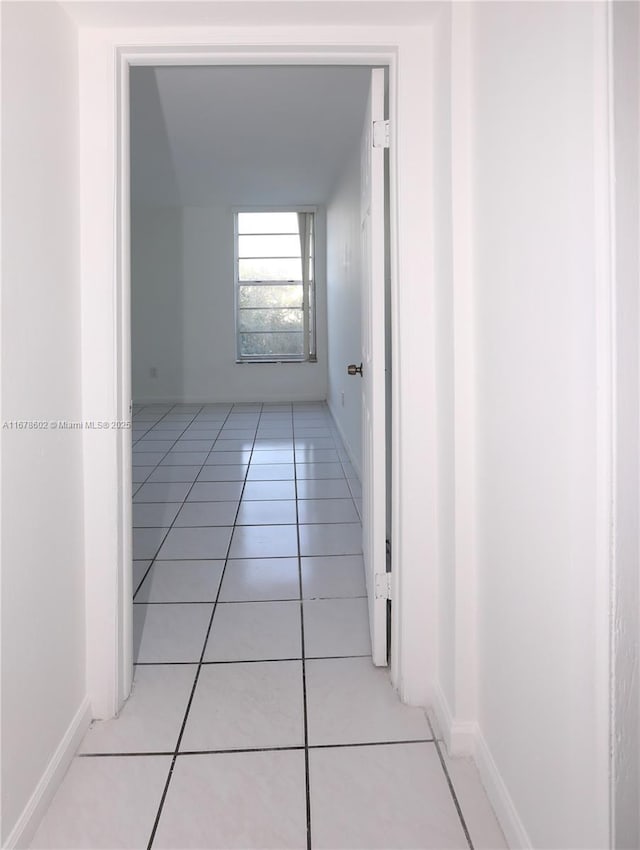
x=352, y=369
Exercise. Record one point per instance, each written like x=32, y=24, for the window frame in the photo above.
x=310, y=353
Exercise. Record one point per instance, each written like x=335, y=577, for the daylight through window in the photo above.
x=275, y=292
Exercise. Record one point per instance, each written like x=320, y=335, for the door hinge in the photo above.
x=381, y=134
x=383, y=585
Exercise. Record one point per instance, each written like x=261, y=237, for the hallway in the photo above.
x=256, y=714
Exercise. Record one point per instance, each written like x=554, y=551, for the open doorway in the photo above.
x=214, y=149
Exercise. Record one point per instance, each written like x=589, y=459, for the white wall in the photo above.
x=344, y=314
x=445, y=422
x=183, y=316
x=43, y=626
x=626, y=743
x=542, y=615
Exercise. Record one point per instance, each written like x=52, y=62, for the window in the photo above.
x=275, y=286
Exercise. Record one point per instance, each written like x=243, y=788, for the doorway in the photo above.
x=106, y=468
x=214, y=152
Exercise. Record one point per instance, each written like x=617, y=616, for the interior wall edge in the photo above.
x=352, y=455
x=44, y=792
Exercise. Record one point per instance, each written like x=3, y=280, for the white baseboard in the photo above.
x=465, y=738
x=355, y=463
x=459, y=736
x=22, y=833
x=277, y=398
x=504, y=807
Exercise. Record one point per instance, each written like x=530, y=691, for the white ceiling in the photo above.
x=243, y=135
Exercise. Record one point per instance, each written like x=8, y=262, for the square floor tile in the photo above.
x=181, y=581
x=215, y=491
x=151, y=719
x=169, y=633
x=264, y=490
x=418, y=810
x=479, y=816
x=331, y=539
x=333, y=576
x=93, y=806
x=246, y=434
x=264, y=541
x=260, y=579
x=223, y=472
x=267, y=513
x=336, y=627
x=262, y=707
x=162, y=492
x=349, y=701
x=206, y=513
x=327, y=510
x=261, y=456
x=314, y=442
x=227, y=801
x=225, y=444
x=154, y=515
x=192, y=446
x=323, y=488
x=208, y=542
x=217, y=458
x=247, y=631
x=356, y=488
x=147, y=541
x=184, y=458
x=271, y=472
x=316, y=456
x=199, y=432
x=147, y=445
x=276, y=431
x=141, y=459
x=263, y=444
x=165, y=428
x=319, y=470
x=139, y=570
x=174, y=473
x=139, y=474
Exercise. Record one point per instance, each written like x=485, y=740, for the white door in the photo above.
x=373, y=367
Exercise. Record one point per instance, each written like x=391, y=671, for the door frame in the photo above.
x=106, y=57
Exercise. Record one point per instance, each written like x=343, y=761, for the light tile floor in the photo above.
x=257, y=719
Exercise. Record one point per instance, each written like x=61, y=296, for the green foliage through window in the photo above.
x=275, y=313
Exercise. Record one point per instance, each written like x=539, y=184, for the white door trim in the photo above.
x=105, y=59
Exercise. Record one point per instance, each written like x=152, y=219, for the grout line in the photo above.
x=200, y=662
x=450, y=784
x=241, y=601
x=231, y=751
x=246, y=660
x=145, y=481
x=303, y=650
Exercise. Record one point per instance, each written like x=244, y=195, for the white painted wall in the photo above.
x=344, y=313
x=626, y=739
x=542, y=605
x=43, y=608
x=183, y=317
x=157, y=303
x=444, y=414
